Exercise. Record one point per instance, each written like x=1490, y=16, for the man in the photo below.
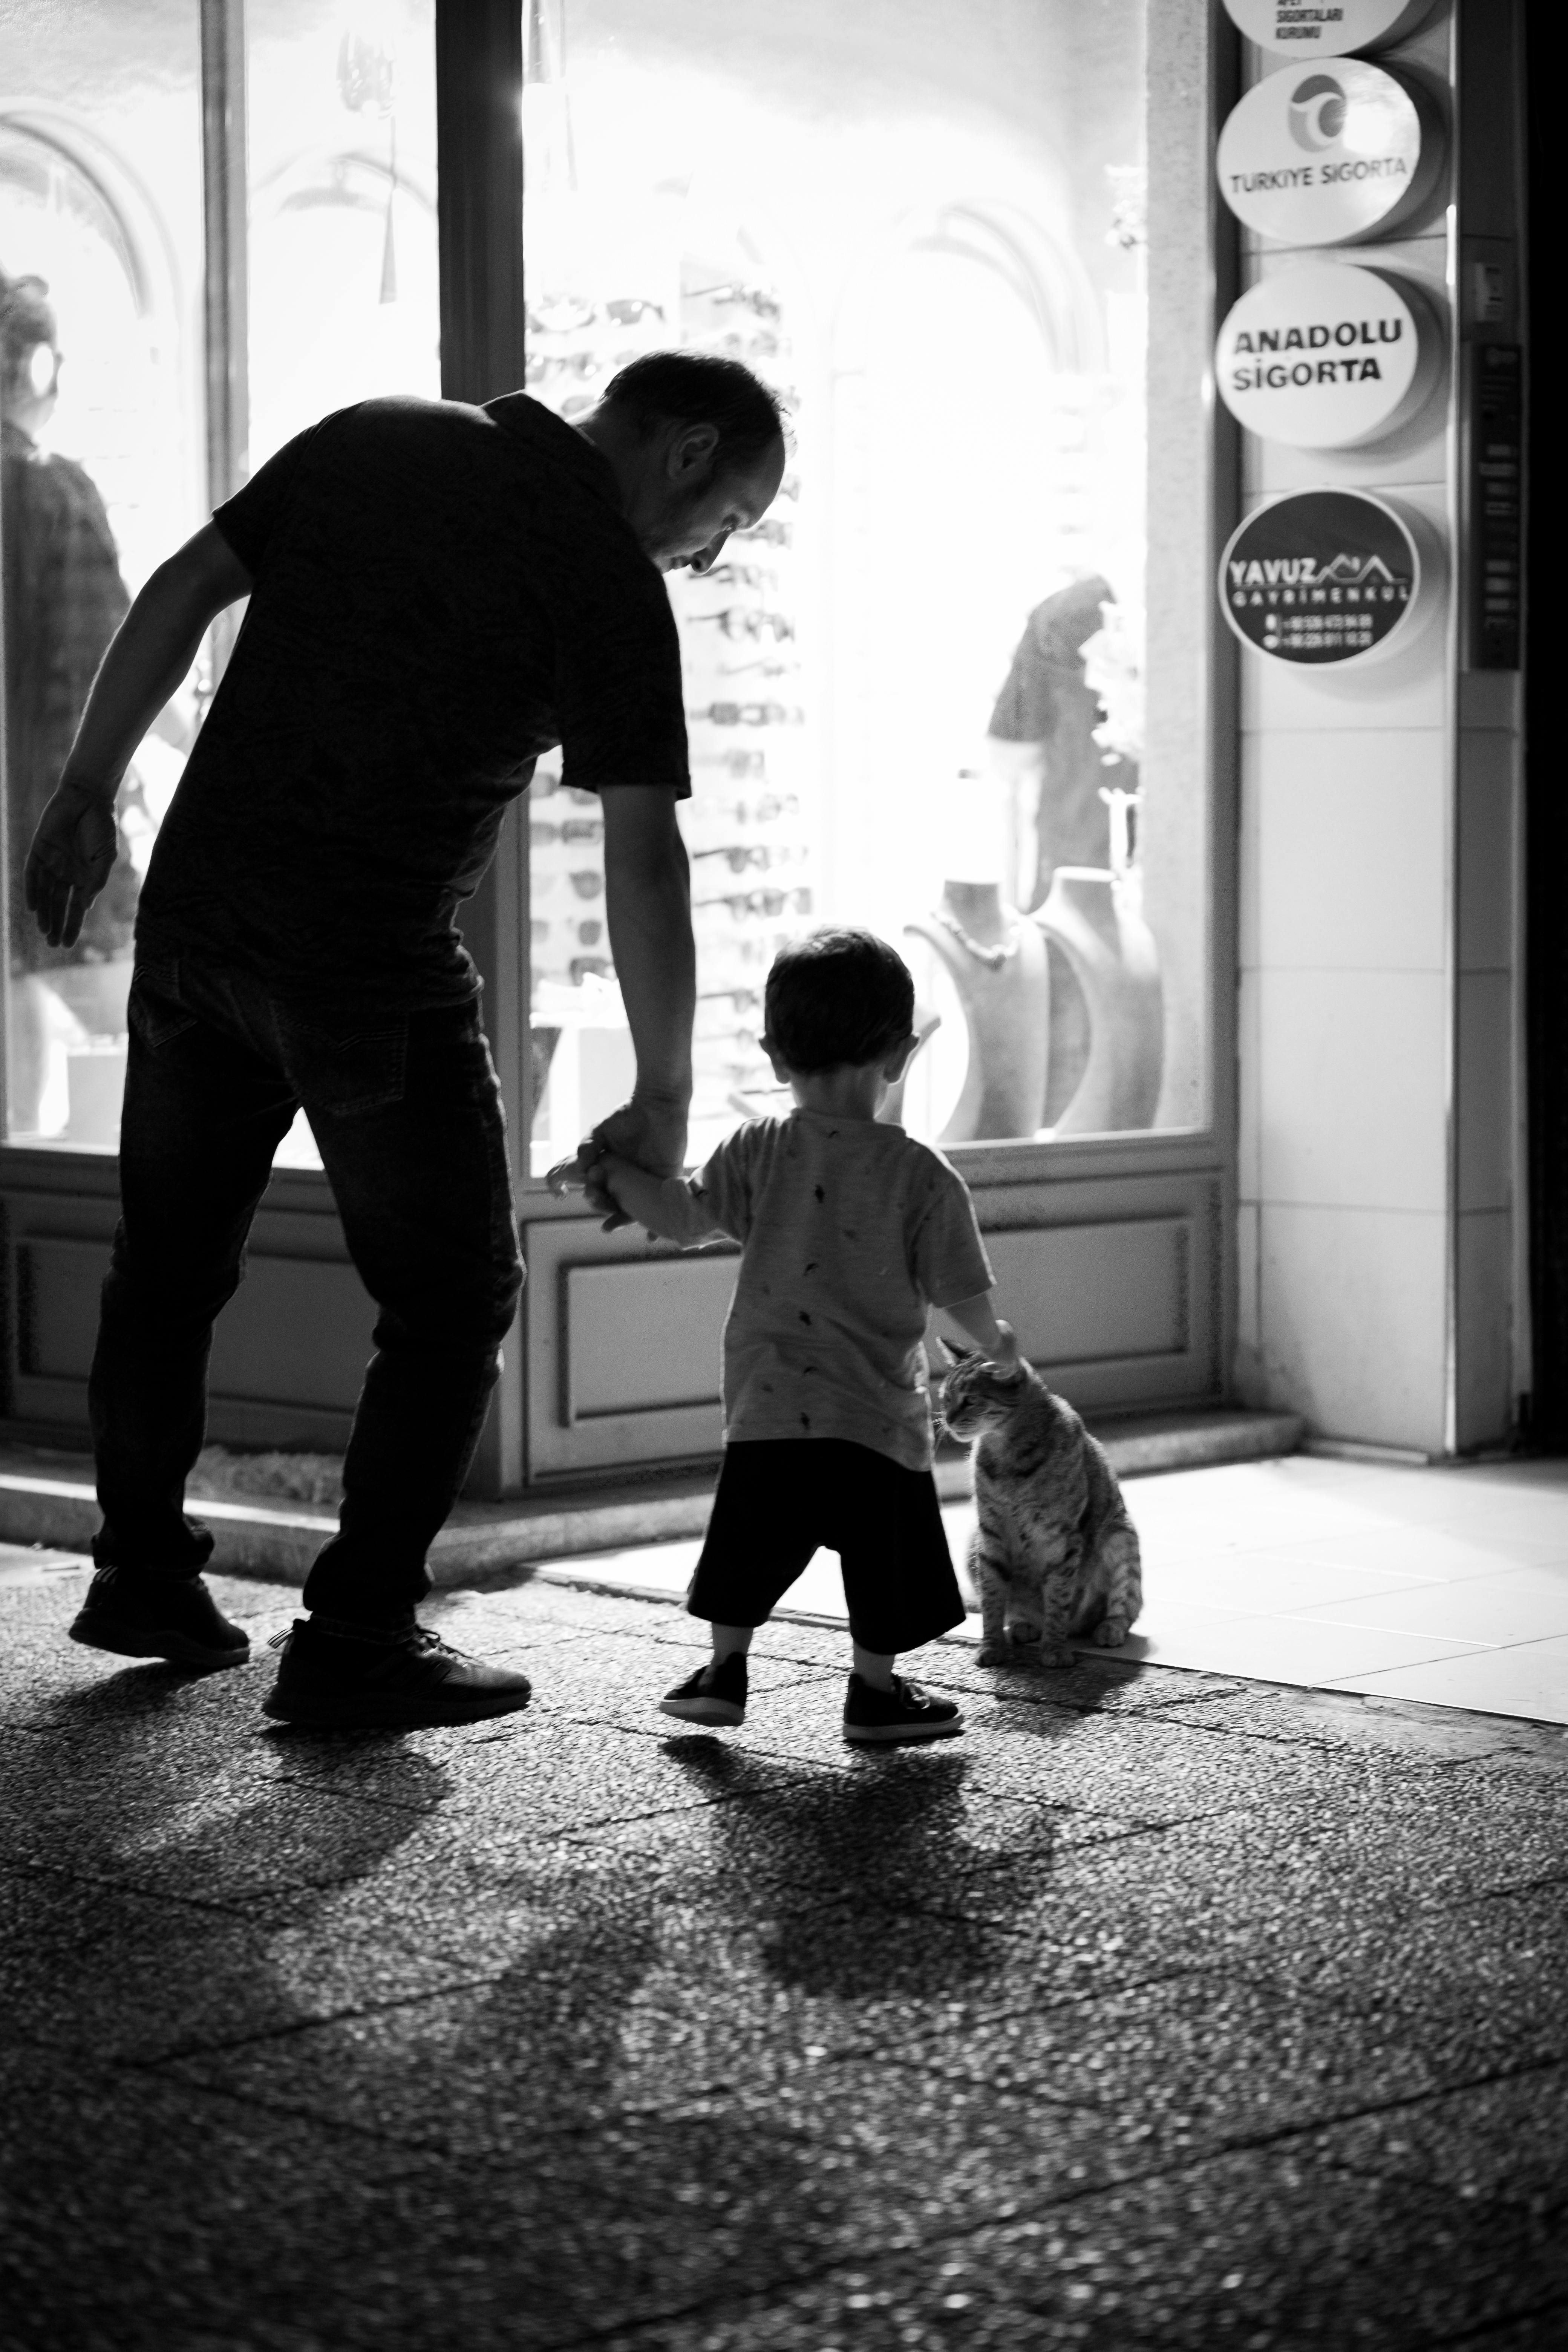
x=438, y=594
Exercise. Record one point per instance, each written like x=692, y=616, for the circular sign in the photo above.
x=1324, y=157
x=1290, y=28
x=1328, y=356
x=1323, y=578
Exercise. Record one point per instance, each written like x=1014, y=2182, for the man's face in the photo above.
x=684, y=511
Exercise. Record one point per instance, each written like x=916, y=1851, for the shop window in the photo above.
x=116, y=441
x=915, y=691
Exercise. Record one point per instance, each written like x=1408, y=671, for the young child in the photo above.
x=851, y=1231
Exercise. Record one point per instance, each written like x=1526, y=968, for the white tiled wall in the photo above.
x=1377, y=1029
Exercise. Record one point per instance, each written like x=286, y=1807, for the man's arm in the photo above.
x=74, y=846
x=648, y=904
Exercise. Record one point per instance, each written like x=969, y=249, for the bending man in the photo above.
x=439, y=593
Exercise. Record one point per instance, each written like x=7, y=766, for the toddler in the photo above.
x=851, y=1231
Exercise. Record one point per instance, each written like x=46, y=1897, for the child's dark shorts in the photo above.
x=780, y=1498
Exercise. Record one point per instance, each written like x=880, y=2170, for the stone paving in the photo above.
x=1162, y=2011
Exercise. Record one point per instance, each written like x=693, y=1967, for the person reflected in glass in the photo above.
x=1041, y=740
x=64, y=601
x=438, y=593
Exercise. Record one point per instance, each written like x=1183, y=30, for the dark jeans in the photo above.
x=407, y=1116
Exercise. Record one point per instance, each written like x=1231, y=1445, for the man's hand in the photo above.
x=70, y=860
x=650, y=1134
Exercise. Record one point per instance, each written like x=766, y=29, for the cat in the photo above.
x=1054, y=1552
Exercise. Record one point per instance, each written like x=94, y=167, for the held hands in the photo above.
x=650, y=1133
x=70, y=860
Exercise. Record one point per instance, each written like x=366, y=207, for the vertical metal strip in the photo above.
x=1452, y=656
x=479, y=210
x=225, y=308
x=7, y=972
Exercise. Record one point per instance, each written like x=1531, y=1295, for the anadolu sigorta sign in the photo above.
x=1328, y=356
x=1330, y=578
x=1330, y=155
x=1326, y=28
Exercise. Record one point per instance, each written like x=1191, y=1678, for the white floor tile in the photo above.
x=1529, y=1678
x=1521, y=1604
x=1259, y=1583
x=1425, y=1555
x=1296, y=1649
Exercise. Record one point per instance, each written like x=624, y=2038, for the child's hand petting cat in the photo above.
x=1006, y=1352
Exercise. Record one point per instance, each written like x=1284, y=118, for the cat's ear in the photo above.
x=954, y=1354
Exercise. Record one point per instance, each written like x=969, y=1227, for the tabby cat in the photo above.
x=1054, y=1552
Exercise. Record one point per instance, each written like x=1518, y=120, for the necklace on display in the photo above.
x=993, y=957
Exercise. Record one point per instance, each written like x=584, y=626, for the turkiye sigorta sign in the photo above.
x=1294, y=29
x=1326, y=578
x=1328, y=156
x=1328, y=356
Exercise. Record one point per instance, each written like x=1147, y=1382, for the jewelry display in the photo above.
x=997, y=964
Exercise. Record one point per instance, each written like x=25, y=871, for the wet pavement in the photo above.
x=1162, y=2009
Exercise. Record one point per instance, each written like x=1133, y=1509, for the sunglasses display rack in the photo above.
x=753, y=882
x=746, y=825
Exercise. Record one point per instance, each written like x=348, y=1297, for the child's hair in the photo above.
x=838, y=998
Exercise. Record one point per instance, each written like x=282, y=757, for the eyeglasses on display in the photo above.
x=755, y=299
x=741, y=575
x=771, y=806
x=770, y=532
x=567, y=314
x=743, y=903
x=761, y=855
x=768, y=664
x=747, y=714
x=736, y=621
x=737, y=764
x=739, y=1000
x=575, y=828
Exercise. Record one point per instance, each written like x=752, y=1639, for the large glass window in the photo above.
x=117, y=437
x=914, y=693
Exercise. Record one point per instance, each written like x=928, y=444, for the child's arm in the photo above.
x=667, y=1205
x=977, y=1320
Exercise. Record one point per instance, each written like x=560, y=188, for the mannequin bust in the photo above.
x=997, y=963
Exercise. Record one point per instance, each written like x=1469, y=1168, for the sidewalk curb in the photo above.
x=277, y=1541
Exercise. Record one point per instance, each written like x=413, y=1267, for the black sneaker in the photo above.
x=137, y=1615
x=874, y=1718
x=714, y=1694
x=338, y=1682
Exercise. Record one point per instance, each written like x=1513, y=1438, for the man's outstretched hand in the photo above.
x=652, y=1135
x=70, y=860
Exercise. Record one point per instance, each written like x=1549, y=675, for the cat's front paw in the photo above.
x=1112, y=1631
x=1051, y=1656
x=998, y=1653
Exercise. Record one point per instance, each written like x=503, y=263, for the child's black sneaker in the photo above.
x=877, y=1718
x=714, y=1694
x=332, y=1681
x=135, y=1614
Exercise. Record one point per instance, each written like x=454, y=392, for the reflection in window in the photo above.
x=105, y=462
x=913, y=695
x=96, y=484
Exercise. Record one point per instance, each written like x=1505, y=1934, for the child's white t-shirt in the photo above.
x=851, y=1232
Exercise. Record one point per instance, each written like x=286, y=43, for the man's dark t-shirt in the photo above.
x=441, y=593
